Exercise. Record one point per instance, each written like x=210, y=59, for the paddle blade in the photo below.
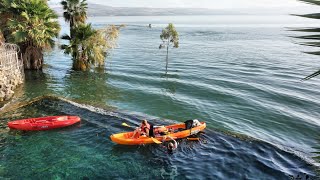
x=156, y=140
x=193, y=139
x=125, y=124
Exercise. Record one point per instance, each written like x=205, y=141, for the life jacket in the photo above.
x=143, y=127
x=188, y=124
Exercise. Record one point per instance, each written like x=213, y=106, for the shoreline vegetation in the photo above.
x=33, y=26
x=87, y=46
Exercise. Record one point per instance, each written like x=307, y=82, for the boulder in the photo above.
x=8, y=95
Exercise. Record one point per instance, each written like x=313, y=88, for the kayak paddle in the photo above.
x=125, y=124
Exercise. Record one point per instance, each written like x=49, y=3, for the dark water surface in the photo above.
x=239, y=74
x=84, y=150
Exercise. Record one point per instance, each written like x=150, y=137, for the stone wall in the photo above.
x=11, y=70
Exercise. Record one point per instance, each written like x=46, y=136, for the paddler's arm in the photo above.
x=174, y=142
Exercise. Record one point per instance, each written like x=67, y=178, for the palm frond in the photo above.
x=312, y=2
x=312, y=75
x=66, y=37
x=312, y=16
x=315, y=37
x=313, y=44
x=313, y=53
x=306, y=30
x=312, y=37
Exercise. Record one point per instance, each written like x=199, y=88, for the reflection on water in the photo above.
x=90, y=87
x=169, y=83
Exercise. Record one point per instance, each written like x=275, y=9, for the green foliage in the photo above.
x=32, y=25
x=169, y=37
x=89, y=47
x=312, y=2
x=75, y=12
x=314, y=38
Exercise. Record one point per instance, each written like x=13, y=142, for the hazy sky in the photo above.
x=214, y=4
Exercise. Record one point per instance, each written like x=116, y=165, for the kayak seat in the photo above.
x=188, y=124
x=32, y=121
x=62, y=118
x=151, y=131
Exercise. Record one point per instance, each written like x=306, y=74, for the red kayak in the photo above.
x=43, y=123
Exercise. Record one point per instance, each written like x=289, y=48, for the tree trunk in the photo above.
x=76, y=65
x=80, y=63
x=2, y=40
x=32, y=58
x=3, y=22
x=167, y=58
x=71, y=27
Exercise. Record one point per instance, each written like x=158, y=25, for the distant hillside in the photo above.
x=101, y=10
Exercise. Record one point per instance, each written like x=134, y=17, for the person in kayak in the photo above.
x=171, y=145
x=143, y=129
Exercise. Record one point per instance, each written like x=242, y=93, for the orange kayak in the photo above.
x=43, y=123
x=178, y=131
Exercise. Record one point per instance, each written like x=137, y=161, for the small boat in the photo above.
x=43, y=123
x=178, y=131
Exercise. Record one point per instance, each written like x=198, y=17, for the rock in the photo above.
x=14, y=82
x=8, y=95
x=2, y=95
x=8, y=87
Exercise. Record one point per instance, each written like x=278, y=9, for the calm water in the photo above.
x=239, y=74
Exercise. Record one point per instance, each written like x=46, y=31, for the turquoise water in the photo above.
x=239, y=74
x=85, y=151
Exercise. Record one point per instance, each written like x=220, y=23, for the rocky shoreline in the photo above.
x=11, y=71
x=8, y=82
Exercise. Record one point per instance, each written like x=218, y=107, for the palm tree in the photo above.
x=32, y=26
x=169, y=36
x=75, y=12
x=89, y=47
x=6, y=13
x=78, y=46
x=314, y=38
